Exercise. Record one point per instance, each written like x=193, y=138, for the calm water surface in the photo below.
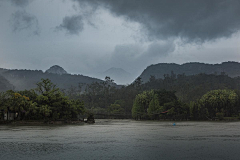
x=123, y=139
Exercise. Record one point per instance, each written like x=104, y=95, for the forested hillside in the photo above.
x=27, y=79
x=190, y=88
x=106, y=99
x=176, y=96
x=232, y=69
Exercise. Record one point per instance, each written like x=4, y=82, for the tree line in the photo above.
x=215, y=104
x=180, y=95
x=196, y=97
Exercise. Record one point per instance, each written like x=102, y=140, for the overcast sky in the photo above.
x=91, y=36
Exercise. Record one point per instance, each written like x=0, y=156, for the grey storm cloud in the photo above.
x=73, y=24
x=20, y=3
x=21, y=20
x=190, y=20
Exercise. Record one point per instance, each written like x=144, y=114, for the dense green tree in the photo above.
x=154, y=108
x=150, y=104
x=220, y=101
x=15, y=102
x=141, y=104
x=177, y=110
x=54, y=105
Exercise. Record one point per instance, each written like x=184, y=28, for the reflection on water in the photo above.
x=122, y=139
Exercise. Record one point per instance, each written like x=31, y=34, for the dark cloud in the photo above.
x=191, y=20
x=73, y=24
x=21, y=20
x=20, y=3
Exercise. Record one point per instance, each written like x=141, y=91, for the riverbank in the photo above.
x=40, y=122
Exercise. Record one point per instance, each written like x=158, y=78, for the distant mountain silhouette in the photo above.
x=27, y=79
x=119, y=75
x=232, y=69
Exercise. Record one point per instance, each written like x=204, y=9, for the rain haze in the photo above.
x=90, y=36
x=120, y=79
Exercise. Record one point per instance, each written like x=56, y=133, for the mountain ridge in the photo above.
x=26, y=79
x=230, y=68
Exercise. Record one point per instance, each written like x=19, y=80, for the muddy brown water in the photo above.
x=122, y=139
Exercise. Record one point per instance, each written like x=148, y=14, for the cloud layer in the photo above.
x=21, y=20
x=198, y=20
x=73, y=24
x=20, y=3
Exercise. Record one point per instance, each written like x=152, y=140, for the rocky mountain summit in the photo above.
x=56, y=70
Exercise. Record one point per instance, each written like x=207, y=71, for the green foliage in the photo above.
x=220, y=100
x=154, y=107
x=115, y=109
x=178, y=97
x=165, y=96
x=48, y=104
x=137, y=109
x=151, y=104
x=141, y=104
x=192, y=88
x=46, y=87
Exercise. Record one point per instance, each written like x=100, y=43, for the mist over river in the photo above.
x=122, y=139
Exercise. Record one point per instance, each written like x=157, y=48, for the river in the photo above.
x=122, y=139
